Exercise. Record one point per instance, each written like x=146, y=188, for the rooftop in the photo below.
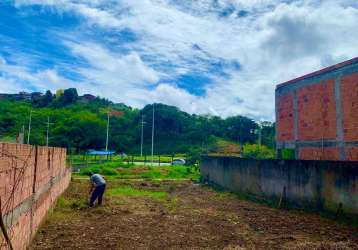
x=320, y=72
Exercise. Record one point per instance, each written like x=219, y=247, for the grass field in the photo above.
x=121, y=170
x=88, y=160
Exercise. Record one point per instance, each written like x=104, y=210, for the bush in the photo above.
x=256, y=151
x=103, y=170
x=287, y=154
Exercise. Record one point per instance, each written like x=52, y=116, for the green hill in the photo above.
x=80, y=122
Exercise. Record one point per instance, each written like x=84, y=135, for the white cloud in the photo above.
x=274, y=42
x=16, y=78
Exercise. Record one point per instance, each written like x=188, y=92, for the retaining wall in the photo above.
x=31, y=180
x=314, y=185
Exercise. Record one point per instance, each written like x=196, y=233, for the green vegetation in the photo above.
x=258, y=152
x=134, y=192
x=287, y=154
x=79, y=123
x=120, y=170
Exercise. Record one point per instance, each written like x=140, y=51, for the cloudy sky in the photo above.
x=220, y=57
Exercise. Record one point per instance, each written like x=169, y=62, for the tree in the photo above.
x=45, y=100
x=240, y=129
x=48, y=97
x=83, y=125
x=70, y=96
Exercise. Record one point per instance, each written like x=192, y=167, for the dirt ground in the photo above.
x=190, y=217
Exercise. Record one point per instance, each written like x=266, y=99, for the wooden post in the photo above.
x=145, y=159
x=282, y=198
x=339, y=210
x=132, y=159
x=3, y=229
x=159, y=160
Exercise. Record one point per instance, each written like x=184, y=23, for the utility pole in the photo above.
x=20, y=138
x=47, y=130
x=260, y=133
x=29, y=132
x=153, y=135
x=107, y=131
x=141, y=138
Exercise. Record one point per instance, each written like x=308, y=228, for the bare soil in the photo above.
x=192, y=217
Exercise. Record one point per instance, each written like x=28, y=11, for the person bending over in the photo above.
x=98, y=186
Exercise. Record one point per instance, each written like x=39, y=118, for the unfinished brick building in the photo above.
x=317, y=114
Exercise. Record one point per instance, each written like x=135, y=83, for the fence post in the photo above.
x=33, y=191
x=159, y=160
x=145, y=159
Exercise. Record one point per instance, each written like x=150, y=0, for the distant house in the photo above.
x=22, y=96
x=87, y=98
x=36, y=95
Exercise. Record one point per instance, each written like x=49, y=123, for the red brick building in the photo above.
x=317, y=114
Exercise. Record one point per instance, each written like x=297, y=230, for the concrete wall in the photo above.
x=317, y=114
x=316, y=185
x=31, y=180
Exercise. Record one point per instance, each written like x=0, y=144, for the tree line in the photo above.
x=81, y=124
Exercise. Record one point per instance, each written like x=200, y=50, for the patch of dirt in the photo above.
x=192, y=217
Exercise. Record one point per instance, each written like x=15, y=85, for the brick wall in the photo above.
x=349, y=90
x=285, y=120
x=313, y=153
x=317, y=111
x=31, y=180
x=317, y=114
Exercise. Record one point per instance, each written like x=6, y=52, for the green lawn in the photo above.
x=121, y=170
x=90, y=159
x=134, y=192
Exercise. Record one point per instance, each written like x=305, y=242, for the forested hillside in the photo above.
x=77, y=122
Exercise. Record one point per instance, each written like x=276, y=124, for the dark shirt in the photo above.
x=97, y=180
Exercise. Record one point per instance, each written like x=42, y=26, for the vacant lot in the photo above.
x=182, y=215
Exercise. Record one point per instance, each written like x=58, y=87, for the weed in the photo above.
x=222, y=195
x=172, y=205
x=130, y=191
x=64, y=203
x=123, y=171
x=172, y=189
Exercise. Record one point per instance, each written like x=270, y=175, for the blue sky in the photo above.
x=218, y=57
